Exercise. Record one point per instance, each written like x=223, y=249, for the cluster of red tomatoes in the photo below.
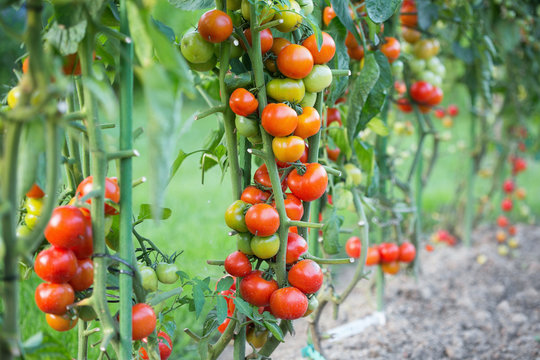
x=447, y=115
x=388, y=255
x=443, y=236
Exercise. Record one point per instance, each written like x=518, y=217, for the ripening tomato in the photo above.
x=296, y=246
x=279, y=119
x=290, y=90
x=311, y=185
x=84, y=277
x=221, y=328
x=265, y=247
x=56, y=265
x=266, y=14
x=391, y=48
x=353, y=246
x=421, y=92
x=318, y=79
x=266, y=39
x=439, y=113
x=256, y=290
x=256, y=337
x=509, y=186
x=54, y=298
x=502, y=221
x=243, y=243
x=293, y=207
x=327, y=51
x=356, y=52
x=288, y=303
x=242, y=102
x=426, y=48
x=290, y=15
x=195, y=49
x=390, y=268
x=167, y=273
x=521, y=193
x=288, y=148
x=35, y=192
x=400, y=87
x=215, y=26
x=279, y=44
x=328, y=15
x=410, y=35
x=373, y=257
x=67, y=227
x=436, y=96
x=404, y=105
x=518, y=165
x=333, y=115
x=164, y=346
x=389, y=252
x=13, y=97
x=309, y=123
x=452, y=110
x=234, y=216
x=333, y=154
x=112, y=192
x=253, y=195
x=512, y=230
x=63, y=322
x=247, y=127
x=262, y=220
x=262, y=177
x=408, y=15
x=143, y=321
x=507, y=204
x=306, y=275
x=237, y=264
x=407, y=252
x=295, y=61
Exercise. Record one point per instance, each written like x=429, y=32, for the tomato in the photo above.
x=262, y=177
x=256, y=337
x=265, y=247
x=148, y=278
x=426, y=48
x=354, y=174
x=56, y=265
x=254, y=195
x=243, y=243
x=234, y=216
x=408, y=16
x=237, y=264
x=30, y=220
x=279, y=119
x=13, y=96
x=167, y=273
x=333, y=154
x=233, y=5
x=262, y=220
x=33, y=206
x=279, y=44
x=389, y=252
x=84, y=277
x=502, y=221
x=429, y=248
x=266, y=39
x=318, y=79
x=436, y=96
x=290, y=15
x=288, y=303
x=439, y=113
x=353, y=247
x=313, y=304
x=327, y=51
x=54, y=298
x=507, y=205
x=67, y=227
x=404, y=105
x=61, y=322
x=143, y=321
x=35, y=192
x=296, y=246
x=256, y=290
x=246, y=127
x=512, y=230
x=308, y=100
x=295, y=61
x=242, y=102
x=391, y=48
x=215, y=26
x=509, y=186
x=205, y=66
x=390, y=268
x=521, y=193
x=72, y=64
x=407, y=252
x=309, y=123
x=518, y=165
x=373, y=256
x=266, y=13
x=290, y=90
x=164, y=346
x=85, y=248
x=289, y=148
x=311, y=185
x=328, y=15
x=421, y=92
x=221, y=328
x=452, y=110
x=293, y=207
x=356, y=52
x=333, y=115
x=112, y=192
x=306, y=275
x=195, y=49
x=410, y=35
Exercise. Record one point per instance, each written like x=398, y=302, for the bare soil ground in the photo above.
x=457, y=309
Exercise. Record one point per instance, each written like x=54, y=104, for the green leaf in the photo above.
x=137, y=26
x=378, y=127
x=366, y=158
x=274, y=329
x=164, y=29
x=66, y=39
x=339, y=135
x=221, y=308
x=331, y=232
x=145, y=212
x=31, y=152
x=224, y=284
x=342, y=12
x=381, y=10
x=339, y=61
x=427, y=13
x=210, y=323
x=198, y=298
x=105, y=96
x=243, y=307
x=192, y=4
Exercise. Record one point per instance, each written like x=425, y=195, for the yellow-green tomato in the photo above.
x=195, y=49
x=265, y=247
x=31, y=220
x=354, y=174
x=235, y=216
x=247, y=127
x=33, y=206
x=308, y=100
x=266, y=15
x=13, y=97
x=86, y=313
x=243, y=243
x=22, y=230
x=148, y=278
x=233, y=4
x=290, y=15
x=256, y=337
x=318, y=79
x=307, y=6
x=290, y=90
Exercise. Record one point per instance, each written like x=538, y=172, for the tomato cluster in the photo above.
x=33, y=206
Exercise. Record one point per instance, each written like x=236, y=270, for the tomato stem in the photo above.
x=269, y=25
x=305, y=224
x=212, y=110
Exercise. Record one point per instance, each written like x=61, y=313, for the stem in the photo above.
x=379, y=284
x=319, y=260
x=305, y=224
x=82, y=352
x=212, y=110
x=469, y=209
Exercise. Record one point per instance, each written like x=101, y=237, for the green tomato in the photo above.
x=243, y=243
x=307, y=6
x=290, y=90
x=433, y=63
x=195, y=49
x=437, y=81
x=342, y=198
x=354, y=174
x=290, y=15
x=206, y=66
x=236, y=50
x=234, y=216
x=397, y=68
x=428, y=76
x=318, y=79
x=22, y=230
x=417, y=65
x=148, y=278
x=108, y=224
x=233, y=4
x=266, y=14
x=255, y=139
x=313, y=304
x=166, y=273
x=265, y=247
x=308, y=100
x=247, y=127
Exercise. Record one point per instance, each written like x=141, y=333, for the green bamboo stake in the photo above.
x=471, y=177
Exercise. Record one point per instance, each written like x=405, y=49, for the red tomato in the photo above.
x=288, y=148
x=407, y=252
x=56, y=265
x=356, y=52
x=85, y=248
x=502, y=221
x=279, y=119
x=400, y=87
x=262, y=177
x=328, y=48
x=237, y=264
x=61, y=322
x=509, y=186
x=518, y=165
x=54, y=298
x=429, y=248
x=67, y=227
x=328, y=15
x=242, y=102
x=507, y=204
x=333, y=115
x=408, y=16
x=35, y=192
x=373, y=257
x=306, y=275
x=221, y=328
x=391, y=48
x=512, y=230
x=452, y=110
x=404, y=105
x=262, y=220
x=112, y=192
x=333, y=154
x=296, y=246
x=311, y=185
x=143, y=321
x=215, y=26
x=439, y=113
x=253, y=195
x=436, y=96
x=84, y=278
x=304, y=157
x=309, y=123
x=256, y=290
x=293, y=207
x=353, y=247
x=389, y=252
x=164, y=345
x=293, y=229
x=295, y=61
x=266, y=39
x=390, y=268
x=421, y=92
x=288, y=303
x=279, y=44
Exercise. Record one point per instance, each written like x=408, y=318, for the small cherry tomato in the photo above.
x=328, y=15
x=452, y=110
x=373, y=256
x=234, y=216
x=112, y=192
x=295, y=61
x=408, y=14
x=436, y=96
x=67, y=227
x=279, y=119
x=148, y=278
x=290, y=15
x=356, y=52
x=262, y=220
x=279, y=44
x=242, y=102
x=288, y=303
x=290, y=90
x=167, y=273
x=61, y=322
x=311, y=185
x=164, y=346
x=253, y=195
x=85, y=248
x=54, y=298
x=410, y=35
x=353, y=247
x=84, y=277
x=333, y=115
x=247, y=127
x=502, y=221
x=243, y=243
x=333, y=154
x=288, y=148
x=327, y=51
x=237, y=264
x=407, y=252
x=293, y=207
x=421, y=92
x=318, y=79
x=266, y=39
x=404, y=105
x=296, y=246
x=509, y=186
x=306, y=275
x=256, y=290
x=389, y=252
x=195, y=49
x=309, y=123
x=35, y=192
x=391, y=48
x=215, y=26
x=391, y=268
x=265, y=247
x=507, y=204
x=256, y=337
x=56, y=265
x=143, y=321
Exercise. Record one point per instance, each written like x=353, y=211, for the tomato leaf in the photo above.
x=381, y=10
x=225, y=283
x=342, y=12
x=198, y=298
x=145, y=212
x=340, y=138
x=164, y=29
x=331, y=232
x=378, y=127
x=243, y=307
x=339, y=61
x=210, y=323
x=366, y=158
x=192, y=4
x=66, y=39
x=221, y=308
x=427, y=13
x=274, y=329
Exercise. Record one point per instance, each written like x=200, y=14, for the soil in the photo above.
x=457, y=309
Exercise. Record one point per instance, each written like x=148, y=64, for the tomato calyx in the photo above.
x=300, y=168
